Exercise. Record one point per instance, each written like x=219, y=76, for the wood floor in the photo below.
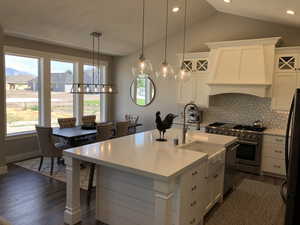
x=28, y=198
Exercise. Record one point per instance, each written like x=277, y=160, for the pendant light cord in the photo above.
x=184, y=31
x=167, y=23
x=143, y=29
x=99, y=55
x=93, y=59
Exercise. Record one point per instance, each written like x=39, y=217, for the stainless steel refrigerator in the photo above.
x=292, y=159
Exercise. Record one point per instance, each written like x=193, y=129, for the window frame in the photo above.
x=45, y=86
x=18, y=54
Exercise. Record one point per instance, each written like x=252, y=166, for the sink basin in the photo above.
x=199, y=146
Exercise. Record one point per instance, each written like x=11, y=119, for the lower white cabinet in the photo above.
x=215, y=182
x=273, y=158
x=191, y=195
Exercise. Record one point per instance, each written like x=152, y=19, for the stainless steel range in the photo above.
x=248, y=154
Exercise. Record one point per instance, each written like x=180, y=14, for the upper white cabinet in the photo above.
x=195, y=89
x=286, y=77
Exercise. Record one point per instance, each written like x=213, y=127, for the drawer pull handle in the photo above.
x=195, y=173
x=216, y=175
x=279, y=140
x=194, y=187
x=278, y=151
x=193, y=221
x=277, y=166
x=193, y=203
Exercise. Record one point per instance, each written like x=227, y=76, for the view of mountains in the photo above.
x=88, y=74
x=14, y=72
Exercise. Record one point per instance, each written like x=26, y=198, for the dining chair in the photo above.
x=47, y=146
x=105, y=131
x=88, y=120
x=122, y=128
x=4, y=221
x=67, y=122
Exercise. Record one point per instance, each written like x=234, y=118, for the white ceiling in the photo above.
x=69, y=22
x=267, y=10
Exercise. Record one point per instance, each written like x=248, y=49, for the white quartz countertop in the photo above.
x=275, y=131
x=142, y=154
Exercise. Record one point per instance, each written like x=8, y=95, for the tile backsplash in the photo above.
x=244, y=109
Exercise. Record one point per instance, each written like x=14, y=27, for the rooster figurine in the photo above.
x=162, y=126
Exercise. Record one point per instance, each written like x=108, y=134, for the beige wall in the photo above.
x=20, y=148
x=42, y=46
x=218, y=27
x=2, y=88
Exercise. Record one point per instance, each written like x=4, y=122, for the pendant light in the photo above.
x=166, y=71
x=143, y=67
x=184, y=74
x=94, y=86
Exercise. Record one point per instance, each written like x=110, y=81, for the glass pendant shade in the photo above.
x=166, y=72
x=183, y=75
x=142, y=67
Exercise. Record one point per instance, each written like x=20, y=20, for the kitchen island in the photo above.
x=141, y=181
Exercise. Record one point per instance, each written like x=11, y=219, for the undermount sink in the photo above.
x=209, y=148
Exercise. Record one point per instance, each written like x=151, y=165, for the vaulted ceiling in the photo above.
x=267, y=10
x=69, y=22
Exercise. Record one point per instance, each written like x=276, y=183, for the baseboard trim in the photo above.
x=21, y=156
x=3, y=170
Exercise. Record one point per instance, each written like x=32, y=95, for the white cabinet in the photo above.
x=192, y=194
x=273, y=158
x=195, y=89
x=286, y=77
x=215, y=181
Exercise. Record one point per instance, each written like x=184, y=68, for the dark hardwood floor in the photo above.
x=27, y=198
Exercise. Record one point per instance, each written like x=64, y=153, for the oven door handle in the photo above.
x=248, y=142
x=234, y=147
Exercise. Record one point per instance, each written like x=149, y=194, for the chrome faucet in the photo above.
x=184, y=129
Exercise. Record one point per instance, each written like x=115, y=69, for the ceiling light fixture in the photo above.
x=184, y=74
x=290, y=12
x=143, y=67
x=175, y=9
x=94, y=86
x=227, y=1
x=166, y=71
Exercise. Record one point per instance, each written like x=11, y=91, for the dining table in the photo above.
x=77, y=135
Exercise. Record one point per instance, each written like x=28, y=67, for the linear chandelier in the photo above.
x=94, y=86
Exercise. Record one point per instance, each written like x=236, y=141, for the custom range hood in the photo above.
x=244, y=66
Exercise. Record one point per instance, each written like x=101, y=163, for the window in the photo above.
x=22, y=93
x=62, y=76
x=91, y=104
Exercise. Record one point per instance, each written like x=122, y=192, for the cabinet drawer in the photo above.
x=272, y=165
x=274, y=151
x=192, y=217
x=270, y=139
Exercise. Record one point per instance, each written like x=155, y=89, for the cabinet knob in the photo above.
x=216, y=175
x=193, y=203
x=193, y=221
x=195, y=173
x=194, y=187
